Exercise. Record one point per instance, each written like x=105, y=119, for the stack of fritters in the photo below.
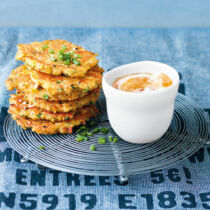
x=57, y=86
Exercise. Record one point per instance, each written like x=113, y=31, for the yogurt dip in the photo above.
x=140, y=99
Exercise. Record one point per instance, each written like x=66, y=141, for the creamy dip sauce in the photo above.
x=140, y=82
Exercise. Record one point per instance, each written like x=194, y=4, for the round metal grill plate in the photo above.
x=188, y=132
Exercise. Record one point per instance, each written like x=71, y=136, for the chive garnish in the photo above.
x=87, y=89
x=66, y=62
x=44, y=47
x=89, y=134
x=79, y=138
x=64, y=47
x=85, y=138
x=101, y=140
x=39, y=115
x=53, y=59
x=96, y=130
x=41, y=147
x=76, y=62
x=84, y=133
x=58, y=82
x=104, y=130
x=92, y=147
x=115, y=139
x=92, y=123
x=45, y=96
x=68, y=57
x=66, y=118
x=110, y=138
x=51, y=51
x=91, y=103
x=82, y=128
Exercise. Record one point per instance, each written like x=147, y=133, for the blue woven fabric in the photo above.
x=181, y=186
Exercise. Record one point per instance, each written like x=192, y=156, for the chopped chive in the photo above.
x=104, y=130
x=39, y=115
x=60, y=52
x=66, y=118
x=82, y=128
x=84, y=133
x=96, y=130
x=101, y=140
x=85, y=138
x=92, y=147
x=87, y=89
x=73, y=87
x=110, y=138
x=79, y=138
x=91, y=103
x=42, y=147
x=60, y=57
x=45, y=96
x=92, y=123
x=66, y=62
x=76, y=62
x=53, y=59
x=51, y=51
x=64, y=47
x=89, y=134
x=58, y=82
x=115, y=139
x=44, y=47
x=68, y=57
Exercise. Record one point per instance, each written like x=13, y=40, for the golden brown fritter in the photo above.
x=42, y=93
x=47, y=127
x=35, y=113
x=21, y=80
x=50, y=57
x=55, y=106
x=61, y=84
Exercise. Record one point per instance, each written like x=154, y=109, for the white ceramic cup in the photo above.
x=140, y=117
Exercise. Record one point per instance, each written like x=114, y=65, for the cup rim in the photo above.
x=164, y=90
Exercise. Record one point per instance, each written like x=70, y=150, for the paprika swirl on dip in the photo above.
x=139, y=82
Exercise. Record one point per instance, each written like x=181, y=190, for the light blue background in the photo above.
x=105, y=13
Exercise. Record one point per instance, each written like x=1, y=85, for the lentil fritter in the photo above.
x=57, y=57
x=36, y=113
x=56, y=87
x=48, y=127
x=55, y=106
x=22, y=78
